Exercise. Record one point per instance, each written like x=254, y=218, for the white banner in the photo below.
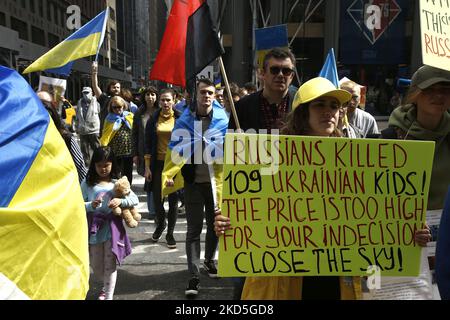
x=435, y=31
x=423, y=287
x=56, y=87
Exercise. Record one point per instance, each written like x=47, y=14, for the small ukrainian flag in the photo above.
x=83, y=43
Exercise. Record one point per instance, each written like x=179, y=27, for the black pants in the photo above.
x=125, y=167
x=159, y=201
x=199, y=202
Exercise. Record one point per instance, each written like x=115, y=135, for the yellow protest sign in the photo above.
x=305, y=206
x=435, y=31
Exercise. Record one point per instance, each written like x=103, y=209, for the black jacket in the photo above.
x=138, y=136
x=151, y=137
x=249, y=114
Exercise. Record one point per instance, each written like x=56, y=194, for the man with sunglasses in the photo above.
x=268, y=109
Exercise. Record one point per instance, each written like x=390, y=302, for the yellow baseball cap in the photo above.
x=316, y=88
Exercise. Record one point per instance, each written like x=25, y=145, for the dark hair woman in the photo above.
x=149, y=105
x=157, y=137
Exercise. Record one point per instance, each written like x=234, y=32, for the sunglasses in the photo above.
x=276, y=71
x=116, y=107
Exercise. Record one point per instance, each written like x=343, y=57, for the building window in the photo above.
x=2, y=19
x=41, y=8
x=54, y=13
x=299, y=10
x=53, y=40
x=32, y=6
x=38, y=36
x=58, y=14
x=21, y=27
x=113, y=35
x=23, y=3
x=49, y=13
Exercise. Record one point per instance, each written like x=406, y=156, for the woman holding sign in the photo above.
x=315, y=113
x=425, y=116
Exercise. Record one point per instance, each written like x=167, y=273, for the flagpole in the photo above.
x=230, y=97
x=105, y=26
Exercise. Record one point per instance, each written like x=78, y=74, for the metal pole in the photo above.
x=255, y=57
x=265, y=21
x=306, y=19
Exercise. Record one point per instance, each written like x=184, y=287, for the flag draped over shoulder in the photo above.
x=43, y=226
x=186, y=146
x=112, y=125
x=329, y=69
x=83, y=43
x=189, y=44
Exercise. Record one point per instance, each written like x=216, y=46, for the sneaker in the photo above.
x=102, y=295
x=157, y=234
x=171, y=243
x=192, y=288
x=210, y=268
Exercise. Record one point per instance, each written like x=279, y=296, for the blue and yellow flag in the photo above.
x=43, y=226
x=329, y=69
x=186, y=146
x=269, y=38
x=112, y=125
x=83, y=43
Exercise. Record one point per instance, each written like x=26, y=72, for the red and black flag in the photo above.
x=190, y=43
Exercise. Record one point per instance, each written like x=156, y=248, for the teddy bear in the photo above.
x=131, y=216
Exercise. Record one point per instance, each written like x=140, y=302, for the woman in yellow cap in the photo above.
x=315, y=112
